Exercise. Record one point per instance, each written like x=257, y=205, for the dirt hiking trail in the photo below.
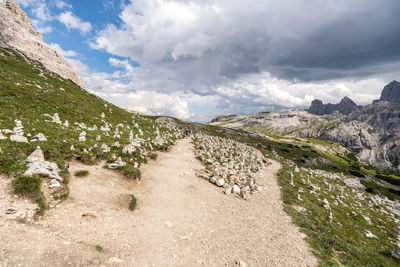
x=180, y=220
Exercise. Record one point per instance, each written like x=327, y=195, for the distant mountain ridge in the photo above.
x=345, y=107
x=16, y=32
x=372, y=132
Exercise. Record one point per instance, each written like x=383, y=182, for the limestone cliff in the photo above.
x=16, y=32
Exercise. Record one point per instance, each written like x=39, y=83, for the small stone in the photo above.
x=300, y=190
x=228, y=190
x=54, y=184
x=369, y=234
x=236, y=189
x=19, y=139
x=367, y=219
x=220, y=182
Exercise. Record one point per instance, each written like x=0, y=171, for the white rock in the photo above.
x=236, y=189
x=367, y=219
x=105, y=148
x=2, y=137
x=66, y=124
x=82, y=136
x=39, y=137
x=116, y=164
x=18, y=139
x=45, y=169
x=220, y=182
x=54, y=184
x=369, y=234
x=36, y=156
x=56, y=118
x=129, y=149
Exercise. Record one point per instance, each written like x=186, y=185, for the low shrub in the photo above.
x=130, y=172
x=28, y=185
x=133, y=203
x=41, y=207
x=81, y=173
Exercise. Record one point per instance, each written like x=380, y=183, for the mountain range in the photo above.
x=372, y=131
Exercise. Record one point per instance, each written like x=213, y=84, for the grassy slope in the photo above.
x=343, y=241
x=28, y=91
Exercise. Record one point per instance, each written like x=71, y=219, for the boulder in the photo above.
x=36, y=156
x=19, y=139
x=44, y=169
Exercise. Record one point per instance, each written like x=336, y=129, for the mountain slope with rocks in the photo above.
x=16, y=32
x=372, y=132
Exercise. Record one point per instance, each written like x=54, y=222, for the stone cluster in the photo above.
x=230, y=164
x=18, y=133
x=38, y=165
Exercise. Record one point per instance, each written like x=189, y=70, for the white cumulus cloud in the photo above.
x=73, y=22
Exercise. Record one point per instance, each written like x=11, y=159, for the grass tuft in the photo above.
x=81, y=173
x=28, y=186
x=133, y=203
x=99, y=248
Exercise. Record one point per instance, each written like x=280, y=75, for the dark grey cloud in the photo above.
x=253, y=53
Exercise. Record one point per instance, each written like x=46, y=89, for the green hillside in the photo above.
x=33, y=95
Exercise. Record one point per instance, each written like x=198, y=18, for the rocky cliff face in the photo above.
x=391, y=93
x=345, y=107
x=16, y=32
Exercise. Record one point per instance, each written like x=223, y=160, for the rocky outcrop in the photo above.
x=345, y=107
x=391, y=93
x=16, y=32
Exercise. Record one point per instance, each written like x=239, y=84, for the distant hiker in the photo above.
x=188, y=131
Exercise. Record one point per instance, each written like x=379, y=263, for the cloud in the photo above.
x=248, y=56
x=61, y=4
x=73, y=22
x=233, y=38
x=113, y=88
x=64, y=53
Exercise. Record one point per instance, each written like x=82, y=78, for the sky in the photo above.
x=198, y=59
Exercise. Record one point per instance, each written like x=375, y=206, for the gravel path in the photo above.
x=181, y=220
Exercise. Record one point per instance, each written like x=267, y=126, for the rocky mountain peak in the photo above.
x=14, y=7
x=391, y=92
x=16, y=32
x=345, y=107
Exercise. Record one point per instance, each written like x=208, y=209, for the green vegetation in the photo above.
x=133, y=203
x=41, y=207
x=81, y=173
x=28, y=186
x=32, y=94
x=99, y=248
x=342, y=241
x=130, y=172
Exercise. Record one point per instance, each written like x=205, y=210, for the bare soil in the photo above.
x=180, y=220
